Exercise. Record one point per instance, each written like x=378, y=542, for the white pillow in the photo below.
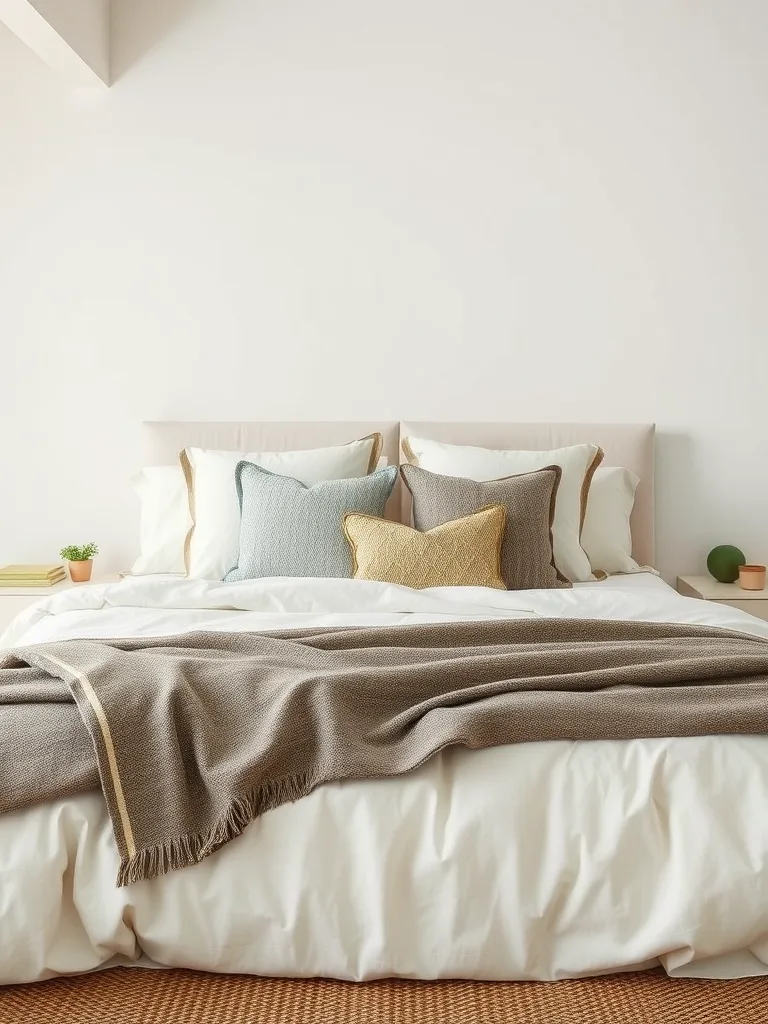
x=578, y=462
x=165, y=519
x=607, y=537
x=212, y=545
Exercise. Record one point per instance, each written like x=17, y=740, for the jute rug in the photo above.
x=138, y=996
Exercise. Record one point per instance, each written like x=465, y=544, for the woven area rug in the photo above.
x=136, y=996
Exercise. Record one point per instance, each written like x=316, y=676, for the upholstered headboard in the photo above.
x=625, y=444
x=163, y=440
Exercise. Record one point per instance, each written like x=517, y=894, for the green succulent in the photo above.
x=77, y=553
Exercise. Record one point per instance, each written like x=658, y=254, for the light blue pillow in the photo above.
x=287, y=529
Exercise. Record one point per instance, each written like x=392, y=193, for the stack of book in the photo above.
x=31, y=575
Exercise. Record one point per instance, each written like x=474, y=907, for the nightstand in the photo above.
x=707, y=589
x=15, y=599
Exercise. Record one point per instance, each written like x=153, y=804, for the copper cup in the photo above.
x=752, y=577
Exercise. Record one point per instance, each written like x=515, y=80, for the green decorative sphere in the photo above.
x=723, y=563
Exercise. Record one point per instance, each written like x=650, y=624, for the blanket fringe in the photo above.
x=180, y=853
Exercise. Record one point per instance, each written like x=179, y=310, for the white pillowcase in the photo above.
x=212, y=547
x=165, y=520
x=578, y=462
x=607, y=537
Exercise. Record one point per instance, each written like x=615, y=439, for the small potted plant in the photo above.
x=80, y=558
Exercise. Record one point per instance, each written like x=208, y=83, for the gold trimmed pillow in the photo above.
x=211, y=547
x=465, y=552
x=577, y=462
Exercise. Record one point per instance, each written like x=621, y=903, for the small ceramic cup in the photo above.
x=752, y=577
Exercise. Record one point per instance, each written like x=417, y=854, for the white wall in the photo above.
x=419, y=209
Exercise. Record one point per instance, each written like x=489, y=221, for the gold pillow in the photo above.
x=462, y=553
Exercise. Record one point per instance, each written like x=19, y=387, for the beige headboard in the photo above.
x=163, y=440
x=625, y=444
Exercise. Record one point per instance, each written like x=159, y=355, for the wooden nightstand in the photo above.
x=753, y=601
x=15, y=599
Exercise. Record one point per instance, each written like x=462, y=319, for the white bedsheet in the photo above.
x=541, y=861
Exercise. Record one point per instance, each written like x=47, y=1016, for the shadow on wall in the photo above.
x=679, y=492
x=137, y=26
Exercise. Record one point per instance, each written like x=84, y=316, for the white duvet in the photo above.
x=538, y=861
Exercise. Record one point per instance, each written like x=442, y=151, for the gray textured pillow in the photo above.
x=287, y=529
x=527, y=562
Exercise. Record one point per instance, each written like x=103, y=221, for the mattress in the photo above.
x=533, y=861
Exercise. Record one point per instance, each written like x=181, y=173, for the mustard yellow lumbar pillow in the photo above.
x=462, y=553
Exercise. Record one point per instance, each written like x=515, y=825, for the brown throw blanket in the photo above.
x=196, y=735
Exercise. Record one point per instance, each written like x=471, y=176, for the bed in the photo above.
x=530, y=861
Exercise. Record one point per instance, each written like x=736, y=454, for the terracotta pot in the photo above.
x=81, y=571
x=752, y=577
